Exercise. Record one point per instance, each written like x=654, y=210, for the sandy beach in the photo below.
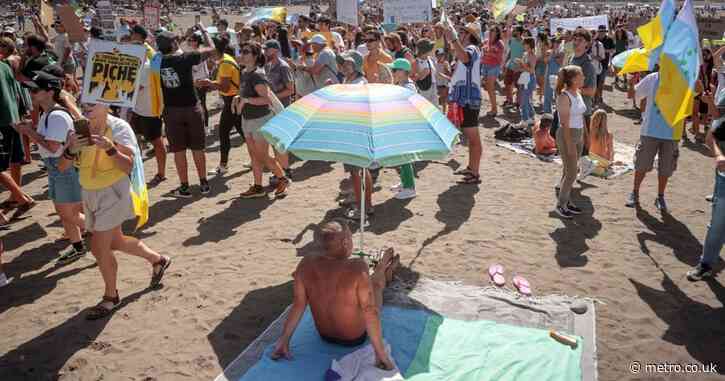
x=233, y=260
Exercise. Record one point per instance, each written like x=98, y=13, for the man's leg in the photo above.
x=475, y=150
x=200, y=163
x=661, y=185
x=160, y=153
x=182, y=166
x=17, y=194
x=716, y=232
x=638, y=179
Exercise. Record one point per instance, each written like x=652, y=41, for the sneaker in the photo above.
x=4, y=281
x=273, y=181
x=661, y=205
x=281, y=187
x=255, y=191
x=405, y=194
x=573, y=209
x=564, y=213
x=397, y=187
x=70, y=255
x=700, y=272
x=204, y=187
x=632, y=200
x=221, y=170
x=708, y=198
x=181, y=192
x=288, y=173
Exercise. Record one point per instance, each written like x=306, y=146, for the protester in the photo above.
x=426, y=74
x=554, y=60
x=527, y=82
x=581, y=40
x=254, y=102
x=443, y=73
x=602, y=49
x=513, y=69
x=401, y=69
x=63, y=49
x=493, y=50
x=374, y=64
x=543, y=45
x=465, y=91
x=569, y=136
x=544, y=143
x=601, y=140
x=327, y=283
x=279, y=76
x=183, y=116
x=200, y=72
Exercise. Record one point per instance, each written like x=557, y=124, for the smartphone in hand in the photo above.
x=82, y=129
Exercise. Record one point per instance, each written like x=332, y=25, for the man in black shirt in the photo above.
x=37, y=57
x=183, y=115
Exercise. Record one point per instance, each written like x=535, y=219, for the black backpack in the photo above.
x=425, y=83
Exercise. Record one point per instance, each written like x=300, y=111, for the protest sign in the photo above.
x=711, y=28
x=347, y=11
x=152, y=16
x=104, y=10
x=113, y=73
x=589, y=22
x=406, y=11
x=46, y=14
x=72, y=23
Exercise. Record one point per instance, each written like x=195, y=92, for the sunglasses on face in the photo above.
x=371, y=40
x=246, y=51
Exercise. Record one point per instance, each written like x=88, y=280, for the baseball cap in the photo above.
x=401, y=64
x=165, y=39
x=424, y=46
x=43, y=81
x=141, y=31
x=318, y=39
x=272, y=44
x=54, y=70
x=352, y=56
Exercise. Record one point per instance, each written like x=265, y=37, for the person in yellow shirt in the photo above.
x=227, y=83
x=375, y=63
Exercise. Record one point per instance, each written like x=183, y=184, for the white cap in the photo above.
x=8, y=29
x=318, y=39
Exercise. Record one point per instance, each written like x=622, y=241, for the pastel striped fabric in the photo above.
x=362, y=125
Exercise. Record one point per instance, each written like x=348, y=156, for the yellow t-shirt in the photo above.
x=370, y=66
x=228, y=69
x=105, y=172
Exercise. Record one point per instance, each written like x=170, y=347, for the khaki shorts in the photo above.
x=252, y=127
x=107, y=208
x=649, y=147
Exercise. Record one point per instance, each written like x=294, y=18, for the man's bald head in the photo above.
x=336, y=238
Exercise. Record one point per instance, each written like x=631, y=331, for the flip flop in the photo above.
x=522, y=285
x=100, y=311
x=23, y=209
x=164, y=264
x=495, y=272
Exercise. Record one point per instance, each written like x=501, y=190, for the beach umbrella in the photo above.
x=367, y=126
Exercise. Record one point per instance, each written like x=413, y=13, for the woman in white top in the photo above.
x=570, y=135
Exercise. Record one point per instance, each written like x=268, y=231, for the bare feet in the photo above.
x=391, y=269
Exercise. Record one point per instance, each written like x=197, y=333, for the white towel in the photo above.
x=360, y=366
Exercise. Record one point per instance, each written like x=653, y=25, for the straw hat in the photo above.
x=474, y=28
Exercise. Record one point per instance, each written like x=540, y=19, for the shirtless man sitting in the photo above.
x=345, y=300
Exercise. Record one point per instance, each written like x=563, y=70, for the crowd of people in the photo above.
x=553, y=80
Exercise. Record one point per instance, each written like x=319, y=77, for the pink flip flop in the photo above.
x=495, y=272
x=522, y=285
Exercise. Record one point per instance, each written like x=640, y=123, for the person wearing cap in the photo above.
x=279, y=76
x=52, y=136
x=325, y=67
x=401, y=69
x=140, y=35
x=426, y=79
x=544, y=143
x=376, y=61
x=443, y=78
x=183, y=116
x=465, y=91
x=227, y=83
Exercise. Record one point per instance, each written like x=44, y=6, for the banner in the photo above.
x=589, y=22
x=46, y=14
x=347, y=11
x=108, y=20
x=406, y=11
x=711, y=28
x=152, y=17
x=72, y=24
x=113, y=73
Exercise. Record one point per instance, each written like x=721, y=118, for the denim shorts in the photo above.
x=63, y=187
x=490, y=70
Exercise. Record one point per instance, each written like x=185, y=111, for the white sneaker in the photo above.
x=397, y=187
x=219, y=171
x=4, y=281
x=405, y=194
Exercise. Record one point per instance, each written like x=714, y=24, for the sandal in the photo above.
x=22, y=209
x=164, y=264
x=495, y=272
x=158, y=179
x=8, y=204
x=470, y=179
x=463, y=172
x=99, y=311
x=522, y=285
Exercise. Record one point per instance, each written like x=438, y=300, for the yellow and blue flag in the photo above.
x=278, y=14
x=501, y=8
x=652, y=35
x=157, y=95
x=679, y=68
x=139, y=191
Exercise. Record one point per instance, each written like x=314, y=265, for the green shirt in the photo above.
x=8, y=96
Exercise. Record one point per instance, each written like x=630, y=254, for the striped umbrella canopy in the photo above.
x=362, y=125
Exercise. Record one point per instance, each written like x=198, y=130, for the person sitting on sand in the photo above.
x=601, y=141
x=345, y=300
x=544, y=143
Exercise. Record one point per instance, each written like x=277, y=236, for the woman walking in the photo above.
x=570, y=134
x=254, y=104
x=491, y=62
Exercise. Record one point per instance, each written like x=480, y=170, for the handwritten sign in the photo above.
x=711, y=28
x=589, y=22
x=72, y=23
x=113, y=73
x=46, y=14
x=407, y=11
x=152, y=16
x=347, y=11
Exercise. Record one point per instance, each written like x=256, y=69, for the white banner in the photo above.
x=347, y=11
x=407, y=11
x=590, y=22
x=113, y=73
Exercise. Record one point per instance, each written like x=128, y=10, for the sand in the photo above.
x=233, y=258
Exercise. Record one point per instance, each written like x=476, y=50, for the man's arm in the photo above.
x=299, y=304
x=371, y=314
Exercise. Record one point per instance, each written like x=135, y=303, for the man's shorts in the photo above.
x=11, y=148
x=490, y=71
x=511, y=77
x=107, y=208
x=646, y=150
x=149, y=127
x=185, y=128
x=470, y=117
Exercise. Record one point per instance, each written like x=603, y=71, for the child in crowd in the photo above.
x=601, y=141
x=544, y=143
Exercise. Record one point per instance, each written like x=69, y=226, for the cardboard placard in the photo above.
x=152, y=17
x=589, y=23
x=347, y=11
x=711, y=28
x=72, y=23
x=113, y=73
x=108, y=20
x=407, y=11
x=47, y=16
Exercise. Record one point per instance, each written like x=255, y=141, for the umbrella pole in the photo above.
x=362, y=210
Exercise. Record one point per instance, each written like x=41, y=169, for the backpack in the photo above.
x=426, y=83
x=509, y=133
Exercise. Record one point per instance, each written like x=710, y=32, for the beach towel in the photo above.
x=360, y=366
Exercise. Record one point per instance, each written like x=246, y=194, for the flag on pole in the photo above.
x=278, y=14
x=679, y=68
x=501, y=8
x=652, y=35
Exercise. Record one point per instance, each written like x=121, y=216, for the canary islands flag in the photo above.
x=139, y=191
x=157, y=95
x=501, y=8
x=278, y=14
x=652, y=35
x=679, y=69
